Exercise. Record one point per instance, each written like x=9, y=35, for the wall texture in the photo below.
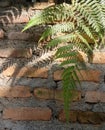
x=31, y=96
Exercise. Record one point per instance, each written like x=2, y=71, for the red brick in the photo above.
x=91, y=117
x=87, y=75
x=48, y=94
x=23, y=18
x=1, y=33
x=27, y=114
x=6, y=19
x=102, y=97
x=17, y=53
x=95, y=96
x=25, y=15
x=25, y=36
x=19, y=36
x=26, y=72
x=72, y=116
x=43, y=93
x=82, y=117
x=16, y=91
x=98, y=57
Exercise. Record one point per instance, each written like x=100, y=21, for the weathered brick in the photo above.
x=27, y=114
x=43, y=93
x=91, y=117
x=98, y=57
x=89, y=75
x=16, y=91
x=25, y=36
x=23, y=18
x=82, y=117
x=17, y=53
x=26, y=72
x=47, y=94
x=1, y=33
x=95, y=96
x=12, y=15
x=72, y=116
x=19, y=36
x=102, y=97
x=8, y=19
x=84, y=75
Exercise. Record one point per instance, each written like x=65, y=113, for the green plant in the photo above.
x=71, y=24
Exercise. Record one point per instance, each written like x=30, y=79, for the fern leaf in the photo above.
x=68, y=62
x=63, y=27
x=36, y=20
x=72, y=21
x=63, y=39
x=84, y=40
x=66, y=55
x=64, y=48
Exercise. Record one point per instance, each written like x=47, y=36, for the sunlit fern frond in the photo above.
x=66, y=27
x=50, y=15
x=71, y=24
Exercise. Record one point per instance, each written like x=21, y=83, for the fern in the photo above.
x=70, y=24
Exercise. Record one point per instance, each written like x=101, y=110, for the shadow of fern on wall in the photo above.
x=13, y=15
x=14, y=12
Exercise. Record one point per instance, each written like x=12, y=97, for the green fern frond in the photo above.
x=88, y=16
x=65, y=48
x=66, y=55
x=63, y=39
x=63, y=27
x=68, y=62
x=74, y=22
x=52, y=14
x=68, y=87
x=83, y=40
x=36, y=20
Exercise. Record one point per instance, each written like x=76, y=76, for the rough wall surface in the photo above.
x=31, y=96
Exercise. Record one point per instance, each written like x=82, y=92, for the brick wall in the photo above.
x=31, y=96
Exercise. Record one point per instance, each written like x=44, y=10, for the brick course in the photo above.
x=27, y=114
x=19, y=36
x=48, y=94
x=87, y=117
x=84, y=75
x=95, y=97
x=11, y=19
x=24, y=36
x=16, y=53
x=26, y=72
x=49, y=101
x=15, y=92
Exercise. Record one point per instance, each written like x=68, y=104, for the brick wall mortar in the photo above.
x=20, y=92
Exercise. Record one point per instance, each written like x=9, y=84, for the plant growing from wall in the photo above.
x=71, y=25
